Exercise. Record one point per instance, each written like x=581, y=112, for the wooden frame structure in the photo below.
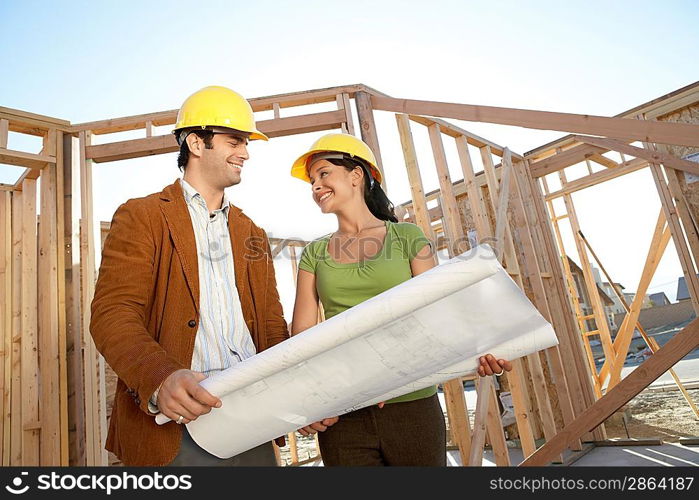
x=53, y=379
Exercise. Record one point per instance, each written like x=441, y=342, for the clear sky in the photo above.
x=84, y=61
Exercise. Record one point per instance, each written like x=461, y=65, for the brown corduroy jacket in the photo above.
x=145, y=311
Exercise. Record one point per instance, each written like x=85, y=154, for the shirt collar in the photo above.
x=192, y=196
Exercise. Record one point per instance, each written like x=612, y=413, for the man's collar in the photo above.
x=190, y=193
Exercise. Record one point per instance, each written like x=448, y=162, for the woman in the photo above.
x=369, y=253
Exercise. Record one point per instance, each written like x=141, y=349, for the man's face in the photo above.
x=222, y=164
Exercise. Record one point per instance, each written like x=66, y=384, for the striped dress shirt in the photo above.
x=223, y=338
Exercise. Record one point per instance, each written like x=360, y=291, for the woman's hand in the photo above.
x=319, y=426
x=488, y=365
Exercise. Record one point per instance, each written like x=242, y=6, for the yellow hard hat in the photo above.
x=218, y=107
x=342, y=143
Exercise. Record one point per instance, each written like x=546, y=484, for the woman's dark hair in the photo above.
x=183, y=157
x=374, y=197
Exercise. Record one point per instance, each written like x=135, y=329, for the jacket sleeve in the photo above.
x=276, y=329
x=123, y=292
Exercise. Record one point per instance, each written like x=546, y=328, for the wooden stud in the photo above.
x=149, y=128
x=483, y=389
x=4, y=132
x=475, y=199
x=365, y=113
x=15, y=408
x=94, y=362
x=31, y=425
x=6, y=326
x=415, y=179
x=496, y=436
x=453, y=228
x=349, y=121
x=77, y=444
x=48, y=316
x=455, y=402
x=277, y=110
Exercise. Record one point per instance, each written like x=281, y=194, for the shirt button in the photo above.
x=192, y=323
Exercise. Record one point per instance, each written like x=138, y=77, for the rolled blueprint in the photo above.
x=426, y=330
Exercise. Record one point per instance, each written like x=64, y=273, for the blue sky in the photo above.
x=84, y=61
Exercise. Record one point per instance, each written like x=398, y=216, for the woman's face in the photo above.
x=332, y=185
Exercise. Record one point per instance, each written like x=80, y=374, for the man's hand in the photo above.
x=488, y=365
x=181, y=395
x=319, y=426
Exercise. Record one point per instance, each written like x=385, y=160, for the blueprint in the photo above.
x=427, y=330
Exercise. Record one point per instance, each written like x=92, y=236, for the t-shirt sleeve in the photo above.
x=308, y=258
x=413, y=238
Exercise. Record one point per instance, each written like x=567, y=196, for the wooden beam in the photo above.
x=483, y=388
x=501, y=222
x=93, y=361
x=456, y=132
x=367, y=127
x=604, y=161
x=564, y=159
x=651, y=156
x=6, y=325
x=27, y=160
x=475, y=198
x=422, y=214
x=62, y=415
x=17, y=281
x=460, y=428
x=160, y=144
x=621, y=128
x=17, y=114
x=597, y=178
x=676, y=348
x=496, y=435
x=4, y=132
x=452, y=219
x=77, y=454
x=622, y=341
x=266, y=103
x=48, y=320
x=30, y=354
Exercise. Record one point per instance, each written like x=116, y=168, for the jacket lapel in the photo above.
x=174, y=208
x=239, y=229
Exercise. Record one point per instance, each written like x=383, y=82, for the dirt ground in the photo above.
x=656, y=414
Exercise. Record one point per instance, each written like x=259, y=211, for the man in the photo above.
x=186, y=288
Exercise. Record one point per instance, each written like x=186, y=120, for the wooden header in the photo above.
x=266, y=103
x=160, y=144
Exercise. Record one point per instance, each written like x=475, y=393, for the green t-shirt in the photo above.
x=341, y=286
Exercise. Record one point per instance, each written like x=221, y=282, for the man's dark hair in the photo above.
x=183, y=157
